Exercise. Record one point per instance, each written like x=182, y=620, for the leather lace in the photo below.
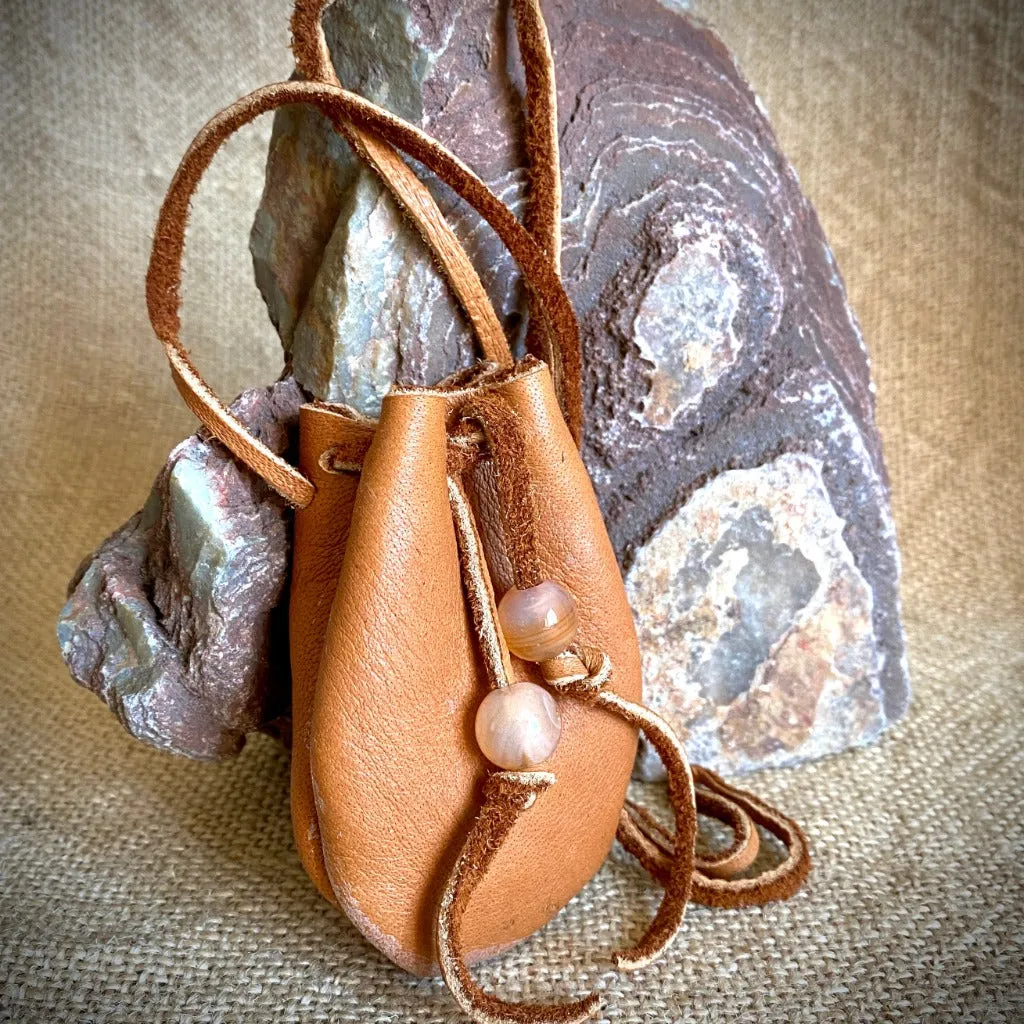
x=585, y=674
x=357, y=119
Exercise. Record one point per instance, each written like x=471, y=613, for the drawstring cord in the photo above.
x=582, y=674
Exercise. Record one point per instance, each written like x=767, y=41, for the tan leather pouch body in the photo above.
x=386, y=770
x=319, y=541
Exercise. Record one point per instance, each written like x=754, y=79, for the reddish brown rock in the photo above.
x=730, y=411
x=717, y=335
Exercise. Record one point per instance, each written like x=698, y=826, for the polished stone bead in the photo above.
x=540, y=622
x=518, y=726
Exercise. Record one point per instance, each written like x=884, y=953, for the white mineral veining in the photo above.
x=684, y=328
x=830, y=411
x=754, y=623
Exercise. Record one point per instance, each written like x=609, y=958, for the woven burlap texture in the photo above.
x=139, y=887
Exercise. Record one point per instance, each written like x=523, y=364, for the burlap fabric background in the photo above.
x=137, y=887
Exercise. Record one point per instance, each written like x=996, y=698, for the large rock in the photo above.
x=726, y=376
x=176, y=621
x=730, y=411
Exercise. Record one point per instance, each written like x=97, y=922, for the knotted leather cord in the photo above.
x=678, y=867
x=580, y=675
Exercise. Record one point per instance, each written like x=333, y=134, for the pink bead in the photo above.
x=540, y=622
x=518, y=726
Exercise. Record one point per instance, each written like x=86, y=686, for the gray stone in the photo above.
x=176, y=621
x=755, y=624
x=376, y=286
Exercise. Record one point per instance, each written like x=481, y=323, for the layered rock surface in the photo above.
x=723, y=362
x=730, y=411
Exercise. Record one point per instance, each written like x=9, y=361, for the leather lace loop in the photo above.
x=375, y=135
x=163, y=281
x=653, y=846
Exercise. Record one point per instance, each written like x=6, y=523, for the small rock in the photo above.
x=177, y=620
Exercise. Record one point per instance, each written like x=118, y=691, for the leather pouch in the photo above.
x=387, y=683
x=408, y=530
